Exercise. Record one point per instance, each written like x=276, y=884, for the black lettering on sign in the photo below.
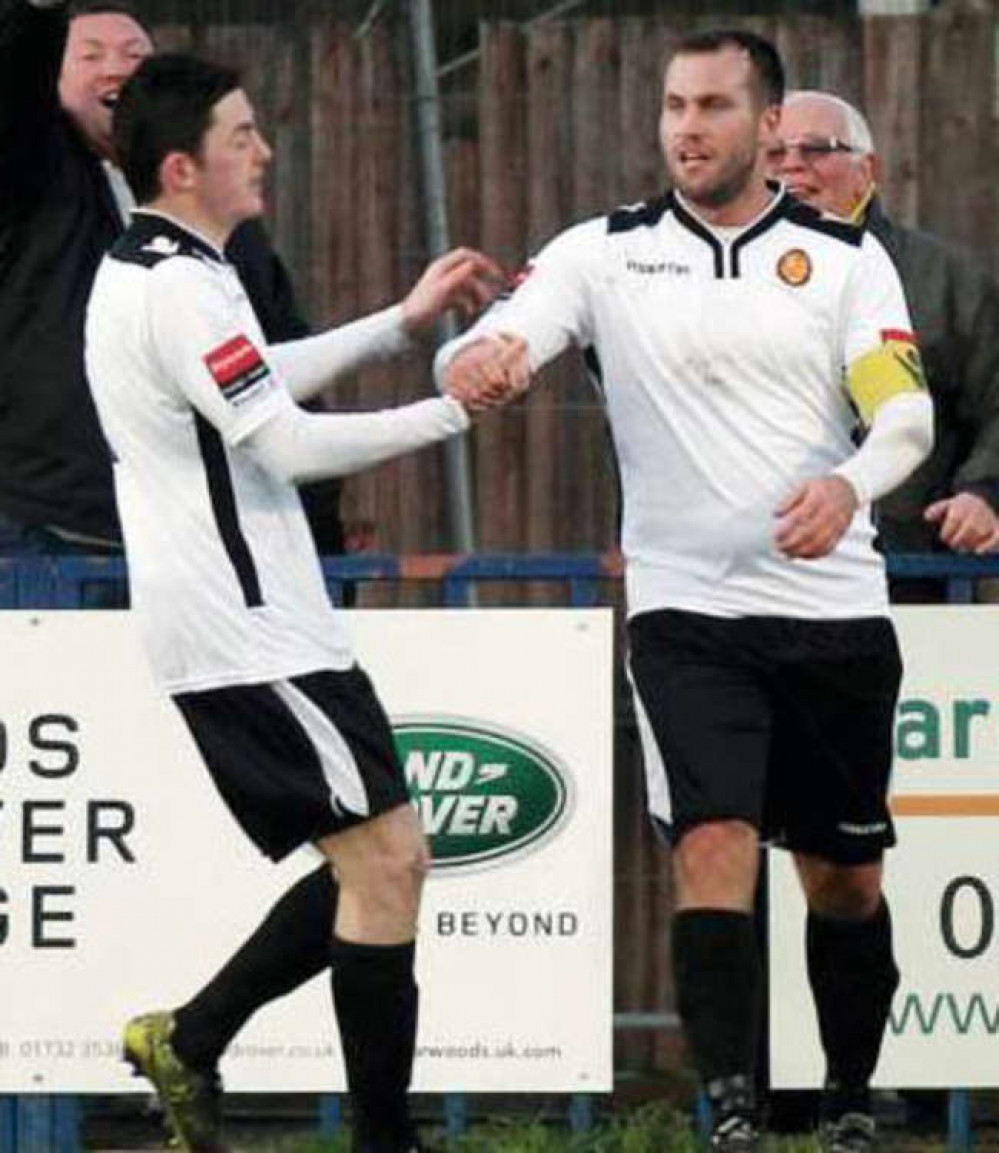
x=43, y=917
x=109, y=821
x=32, y=830
x=986, y=917
x=43, y=734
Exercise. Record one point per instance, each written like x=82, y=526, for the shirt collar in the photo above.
x=178, y=230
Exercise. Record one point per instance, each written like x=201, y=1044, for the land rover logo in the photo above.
x=482, y=793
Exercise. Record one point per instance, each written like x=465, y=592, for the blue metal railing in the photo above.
x=52, y=1123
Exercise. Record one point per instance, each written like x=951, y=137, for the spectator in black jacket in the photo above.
x=62, y=203
x=826, y=156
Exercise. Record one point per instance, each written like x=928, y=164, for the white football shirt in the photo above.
x=722, y=359
x=225, y=580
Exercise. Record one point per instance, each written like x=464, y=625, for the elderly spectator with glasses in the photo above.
x=826, y=155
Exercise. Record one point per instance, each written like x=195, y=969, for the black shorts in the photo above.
x=298, y=759
x=786, y=724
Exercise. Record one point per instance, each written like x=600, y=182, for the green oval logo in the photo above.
x=482, y=793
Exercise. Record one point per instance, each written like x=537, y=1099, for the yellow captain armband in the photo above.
x=894, y=368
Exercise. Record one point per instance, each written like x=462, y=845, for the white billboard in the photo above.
x=942, y=880
x=124, y=883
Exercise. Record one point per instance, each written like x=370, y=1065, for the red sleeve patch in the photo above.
x=515, y=279
x=236, y=367
x=898, y=334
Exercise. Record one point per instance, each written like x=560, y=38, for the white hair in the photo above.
x=858, y=132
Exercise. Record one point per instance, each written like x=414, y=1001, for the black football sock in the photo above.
x=852, y=972
x=289, y=947
x=376, y=1001
x=718, y=974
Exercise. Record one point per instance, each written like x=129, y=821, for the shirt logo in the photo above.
x=163, y=246
x=657, y=267
x=795, y=267
x=867, y=830
x=237, y=368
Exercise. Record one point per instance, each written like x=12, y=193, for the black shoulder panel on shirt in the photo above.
x=593, y=365
x=150, y=239
x=809, y=217
x=639, y=216
x=128, y=252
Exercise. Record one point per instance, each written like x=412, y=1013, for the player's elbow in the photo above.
x=910, y=416
x=924, y=433
x=279, y=465
x=280, y=446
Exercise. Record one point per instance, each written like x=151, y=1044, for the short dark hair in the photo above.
x=165, y=106
x=115, y=7
x=764, y=59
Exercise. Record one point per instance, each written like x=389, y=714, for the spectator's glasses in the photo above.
x=810, y=149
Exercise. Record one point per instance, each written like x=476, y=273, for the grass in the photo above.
x=645, y=1129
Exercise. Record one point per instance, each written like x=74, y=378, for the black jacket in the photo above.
x=954, y=304
x=57, y=219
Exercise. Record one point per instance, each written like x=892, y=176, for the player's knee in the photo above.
x=718, y=844
x=845, y=894
x=394, y=876
x=716, y=864
x=408, y=864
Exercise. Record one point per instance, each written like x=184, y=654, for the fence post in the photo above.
x=959, y=1120
x=455, y=1114
x=40, y=1124
x=330, y=1114
x=66, y=1117
x=8, y=1125
x=581, y=1112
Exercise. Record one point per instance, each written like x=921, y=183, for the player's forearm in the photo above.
x=900, y=438
x=447, y=352
x=313, y=363
x=301, y=447
x=525, y=317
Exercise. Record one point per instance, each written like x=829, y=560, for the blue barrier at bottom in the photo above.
x=52, y=1124
x=330, y=1114
x=959, y=1120
x=455, y=1114
x=8, y=1123
x=40, y=1124
x=581, y=1112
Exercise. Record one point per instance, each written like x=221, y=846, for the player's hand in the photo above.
x=462, y=278
x=815, y=516
x=967, y=523
x=489, y=372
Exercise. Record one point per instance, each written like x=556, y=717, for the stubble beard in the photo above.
x=728, y=187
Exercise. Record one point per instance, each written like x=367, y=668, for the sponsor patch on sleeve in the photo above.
x=515, y=280
x=238, y=369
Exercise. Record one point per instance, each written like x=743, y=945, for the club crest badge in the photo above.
x=795, y=267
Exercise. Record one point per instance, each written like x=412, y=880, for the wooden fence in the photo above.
x=552, y=123
x=549, y=125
